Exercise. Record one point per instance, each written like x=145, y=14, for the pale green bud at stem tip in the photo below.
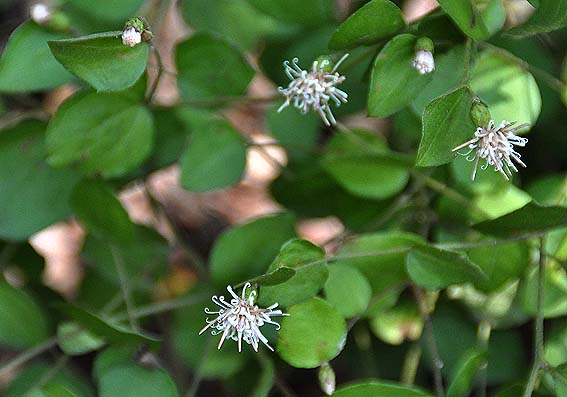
x=327, y=379
x=480, y=114
x=425, y=44
x=140, y=25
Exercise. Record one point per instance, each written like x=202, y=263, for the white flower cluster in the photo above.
x=40, y=13
x=496, y=146
x=312, y=90
x=240, y=319
x=424, y=62
x=131, y=37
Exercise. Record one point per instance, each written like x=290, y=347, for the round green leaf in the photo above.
x=110, y=10
x=433, y=268
x=370, y=23
x=347, y=290
x=97, y=207
x=135, y=381
x=210, y=67
x=215, y=157
x=27, y=63
x=313, y=333
x=33, y=195
x=380, y=257
x=74, y=340
x=310, y=274
x=310, y=13
x=510, y=91
x=478, y=22
x=379, y=389
x=465, y=373
x=395, y=82
x=446, y=124
x=102, y=60
x=397, y=324
x=105, y=133
x=22, y=322
x=246, y=251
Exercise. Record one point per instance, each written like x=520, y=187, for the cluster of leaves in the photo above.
x=429, y=262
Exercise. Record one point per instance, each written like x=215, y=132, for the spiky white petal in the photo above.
x=496, y=146
x=131, y=37
x=314, y=89
x=240, y=319
x=424, y=62
x=40, y=13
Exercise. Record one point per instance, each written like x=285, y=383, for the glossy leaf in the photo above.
x=465, y=373
x=115, y=138
x=131, y=380
x=347, y=290
x=372, y=22
x=24, y=174
x=102, y=60
x=379, y=389
x=204, y=169
x=246, y=251
x=310, y=274
x=531, y=218
x=395, y=82
x=476, y=21
x=313, y=333
x=27, y=63
x=210, y=67
x=446, y=124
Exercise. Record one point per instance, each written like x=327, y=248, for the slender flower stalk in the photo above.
x=314, y=89
x=240, y=319
x=496, y=145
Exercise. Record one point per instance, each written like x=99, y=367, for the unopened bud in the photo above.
x=480, y=114
x=136, y=30
x=327, y=378
x=423, y=61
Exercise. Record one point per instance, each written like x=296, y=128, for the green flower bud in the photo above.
x=480, y=114
x=327, y=378
x=325, y=63
x=425, y=44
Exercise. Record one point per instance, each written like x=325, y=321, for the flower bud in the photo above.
x=480, y=114
x=327, y=378
x=136, y=30
x=424, y=62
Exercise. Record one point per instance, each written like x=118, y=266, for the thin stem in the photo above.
x=539, y=362
x=553, y=82
x=124, y=287
x=436, y=362
x=228, y=100
x=483, y=336
x=27, y=355
x=161, y=307
x=198, y=377
x=411, y=364
x=49, y=374
x=467, y=62
x=157, y=79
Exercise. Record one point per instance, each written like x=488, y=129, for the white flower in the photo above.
x=424, y=62
x=40, y=13
x=240, y=319
x=496, y=146
x=312, y=90
x=131, y=37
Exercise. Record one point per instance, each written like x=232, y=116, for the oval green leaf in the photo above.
x=478, y=22
x=313, y=333
x=465, y=373
x=347, y=290
x=132, y=380
x=74, y=340
x=379, y=389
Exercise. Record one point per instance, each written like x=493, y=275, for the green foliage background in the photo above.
x=438, y=285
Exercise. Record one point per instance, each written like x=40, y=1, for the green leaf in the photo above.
x=245, y=251
x=433, y=268
x=215, y=157
x=74, y=340
x=554, y=296
x=27, y=63
x=278, y=276
x=313, y=333
x=372, y=22
x=24, y=174
x=210, y=67
x=361, y=163
x=310, y=13
x=549, y=15
x=446, y=124
x=97, y=208
x=62, y=380
x=465, y=372
x=102, y=60
x=380, y=257
x=395, y=82
x=110, y=10
x=107, y=329
x=235, y=20
x=135, y=381
x=56, y=390
x=397, y=324
x=379, y=389
x=115, y=138
x=510, y=91
x=531, y=218
x=22, y=321
x=347, y=290
x=478, y=22
x=307, y=280
x=171, y=137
